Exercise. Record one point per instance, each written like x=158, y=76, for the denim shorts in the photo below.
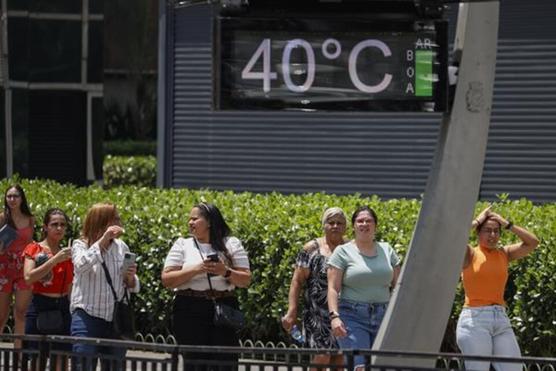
x=362, y=321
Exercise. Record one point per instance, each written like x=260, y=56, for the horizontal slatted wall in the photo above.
x=370, y=153
x=521, y=152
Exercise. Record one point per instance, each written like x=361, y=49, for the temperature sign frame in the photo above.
x=333, y=64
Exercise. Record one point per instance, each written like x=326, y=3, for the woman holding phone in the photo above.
x=210, y=253
x=98, y=253
x=49, y=269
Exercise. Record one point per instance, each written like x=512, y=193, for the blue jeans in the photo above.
x=362, y=321
x=486, y=331
x=84, y=325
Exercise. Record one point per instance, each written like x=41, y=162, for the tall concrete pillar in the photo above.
x=420, y=307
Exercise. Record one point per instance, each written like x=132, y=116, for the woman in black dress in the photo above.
x=310, y=271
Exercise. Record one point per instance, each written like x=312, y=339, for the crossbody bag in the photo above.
x=224, y=315
x=123, y=319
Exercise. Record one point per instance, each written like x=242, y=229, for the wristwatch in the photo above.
x=509, y=225
x=333, y=314
x=228, y=273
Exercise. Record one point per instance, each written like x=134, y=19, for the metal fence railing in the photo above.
x=54, y=353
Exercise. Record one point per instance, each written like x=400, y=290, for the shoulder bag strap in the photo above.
x=203, y=258
x=109, y=280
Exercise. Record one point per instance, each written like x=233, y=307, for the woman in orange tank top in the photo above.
x=17, y=215
x=483, y=326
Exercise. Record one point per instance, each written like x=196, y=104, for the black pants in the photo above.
x=40, y=303
x=192, y=325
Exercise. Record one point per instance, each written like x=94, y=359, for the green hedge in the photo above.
x=129, y=170
x=129, y=148
x=273, y=227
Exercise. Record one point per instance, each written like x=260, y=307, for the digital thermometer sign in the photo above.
x=330, y=64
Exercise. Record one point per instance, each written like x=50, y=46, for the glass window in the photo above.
x=20, y=130
x=18, y=48
x=55, y=51
x=18, y=4
x=96, y=47
x=57, y=135
x=96, y=6
x=56, y=6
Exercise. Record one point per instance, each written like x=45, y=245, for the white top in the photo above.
x=91, y=291
x=184, y=253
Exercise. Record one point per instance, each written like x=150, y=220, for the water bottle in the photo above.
x=297, y=335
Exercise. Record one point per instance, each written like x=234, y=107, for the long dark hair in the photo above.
x=48, y=216
x=24, y=207
x=218, y=229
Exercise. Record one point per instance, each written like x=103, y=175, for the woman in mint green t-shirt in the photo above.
x=361, y=274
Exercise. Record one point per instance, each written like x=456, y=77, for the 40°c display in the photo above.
x=315, y=69
x=418, y=79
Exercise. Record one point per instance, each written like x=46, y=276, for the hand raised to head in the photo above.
x=502, y=221
x=483, y=215
x=112, y=232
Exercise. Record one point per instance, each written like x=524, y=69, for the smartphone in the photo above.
x=129, y=260
x=213, y=257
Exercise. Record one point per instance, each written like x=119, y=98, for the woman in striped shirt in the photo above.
x=92, y=300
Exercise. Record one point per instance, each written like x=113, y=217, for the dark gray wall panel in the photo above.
x=384, y=154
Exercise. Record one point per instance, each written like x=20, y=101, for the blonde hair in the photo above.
x=331, y=212
x=98, y=218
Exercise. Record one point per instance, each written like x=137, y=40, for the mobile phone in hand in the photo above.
x=213, y=257
x=129, y=260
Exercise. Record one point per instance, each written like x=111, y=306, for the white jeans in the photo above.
x=486, y=331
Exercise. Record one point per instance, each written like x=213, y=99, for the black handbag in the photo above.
x=224, y=314
x=227, y=316
x=123, y=319
x=50, y=322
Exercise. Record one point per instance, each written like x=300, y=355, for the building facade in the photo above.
x=372, y=153
x=52, y=117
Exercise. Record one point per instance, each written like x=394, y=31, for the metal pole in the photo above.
x=162, y=96
x=7, y=90
x=420, y=306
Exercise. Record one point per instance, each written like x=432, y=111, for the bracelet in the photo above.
x=509, y=226
x=334, y=316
